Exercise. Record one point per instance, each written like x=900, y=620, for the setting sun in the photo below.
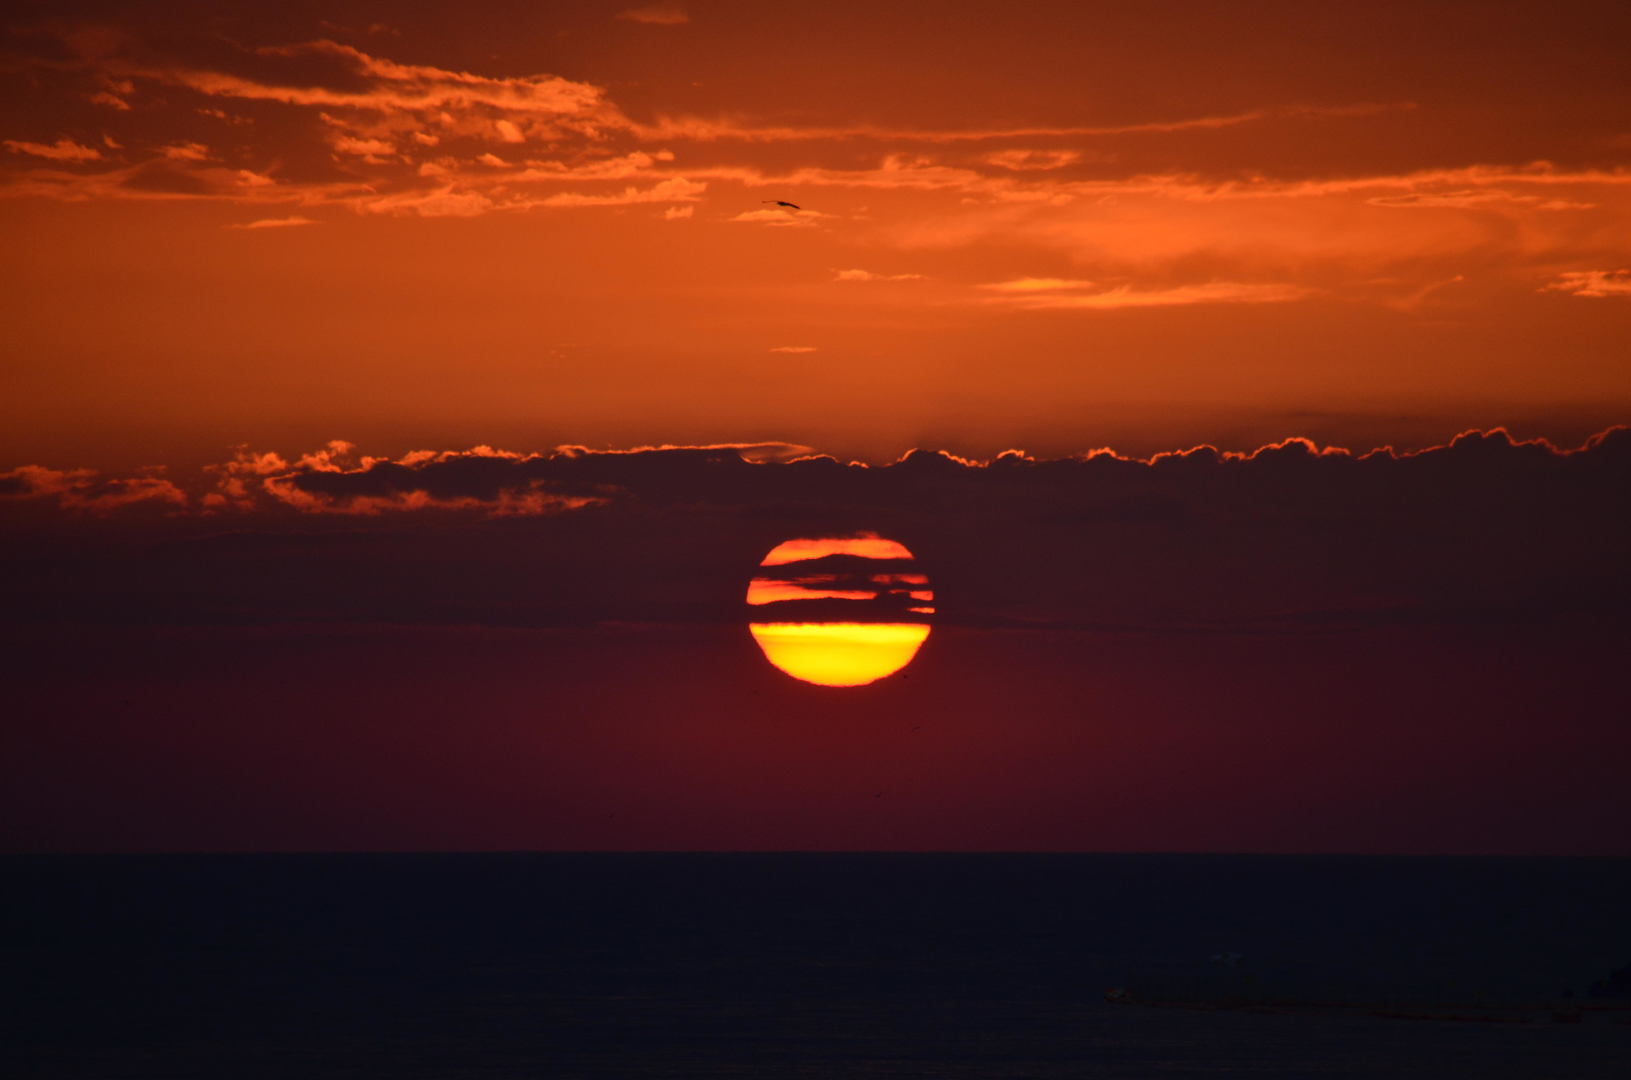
x=840, y=611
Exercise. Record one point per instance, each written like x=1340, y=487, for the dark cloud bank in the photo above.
x=1286, y=538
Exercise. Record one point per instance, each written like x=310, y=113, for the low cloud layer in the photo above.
x=1289, y=537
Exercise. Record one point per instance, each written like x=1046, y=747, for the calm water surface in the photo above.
x=560, y=966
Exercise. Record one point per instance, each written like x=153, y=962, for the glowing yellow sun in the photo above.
x=842, y=609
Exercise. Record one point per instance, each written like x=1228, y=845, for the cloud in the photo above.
x=794, y=349
x=779, y=218
x=164, y=179
x=275, y=223
x=1592, y=283
x=867, y=275
x=355, y=130
x=329, y=74
x=32, y=481
x=677, y=213
x=371, y=115
x=1284, y=538
x=708, y=130
x=442, y=202
x=661, y=14
x=189, y=151
x=1034, y=284
x=1469, y=199
x=757, y=453
x=636, y=163
x=1032, y=160
x=88, y=491
x=375, y=150
x=314, y=496
x=115, y=494
x=1052, y=294
x=675, y=189
x=373, y=134
x=61, y=150
x=335, y=480
x=1331, y=229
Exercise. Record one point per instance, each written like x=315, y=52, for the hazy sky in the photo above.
x=333, y=331
x=1053, y=226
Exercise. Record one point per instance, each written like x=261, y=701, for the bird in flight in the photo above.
x=783, y=202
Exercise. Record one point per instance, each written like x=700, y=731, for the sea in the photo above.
x=814, y=966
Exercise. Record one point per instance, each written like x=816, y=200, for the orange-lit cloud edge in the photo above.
x=262, y=481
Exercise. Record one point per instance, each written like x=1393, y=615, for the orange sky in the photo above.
x=1054, y=226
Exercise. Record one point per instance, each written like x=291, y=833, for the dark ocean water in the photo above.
x=765, y=966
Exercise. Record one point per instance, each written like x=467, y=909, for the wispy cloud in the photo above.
x=1052, y=294
x=275, y=223
x=1036, y=284
x=636, y=163
x=61, y=150
x=1592, y=283
x=89, y=491
x=188, y=151
x=347, y=77
x=702, y=129
x=665, y=14
x=373, y=117
x=1469, y=199
x=337, y=479
x=868, y=275
x=782, y=219
x=794, y=349
x=675, y=189
x=380, y=136
x=441, y=202
x=1033, y=160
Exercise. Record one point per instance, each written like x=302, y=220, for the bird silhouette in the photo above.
x=783, y=202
